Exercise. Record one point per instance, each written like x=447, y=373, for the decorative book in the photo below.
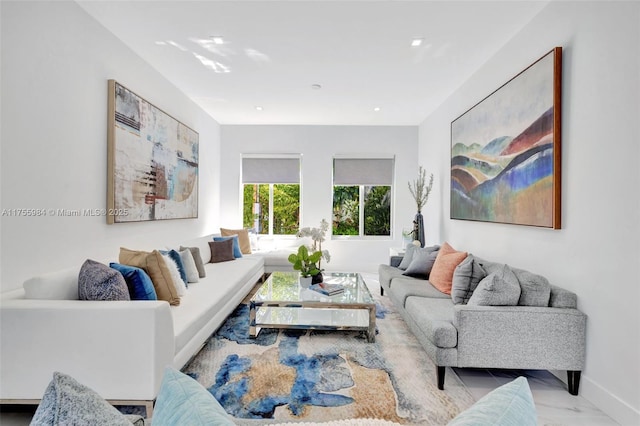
x=327, y=289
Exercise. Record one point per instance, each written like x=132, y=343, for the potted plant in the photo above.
x=318, y=236
x=420, y=191
x=305, y=263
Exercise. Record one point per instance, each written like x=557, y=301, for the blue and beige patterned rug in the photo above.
x=316, y=376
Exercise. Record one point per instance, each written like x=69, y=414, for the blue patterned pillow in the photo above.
x=237, y=253
x=139, y=283
x=99, y=282
x=183, y=401
x=510, y=404
x=176, y=257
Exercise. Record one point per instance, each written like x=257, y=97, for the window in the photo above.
x=362, y=196
x=271, y=194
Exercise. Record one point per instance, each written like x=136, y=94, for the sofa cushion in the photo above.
x=221, y=251
x=466, y=278
x=406, y=286
x=535, y=290
x=190, y=268
x=153, y=263
x=183, y=401
x=243, y=238
x=237, y=253
x=67, y=402
x=434, y=317
x=422, y=263
x=197, y=258
x=500, y=288
x=100, y=282
x=60, y=285
x=510, y=404
x=138, y=282
x=442, y=273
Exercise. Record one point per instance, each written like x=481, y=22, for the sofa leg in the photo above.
x=381, y=291
x=440, y=375
x=573, y=377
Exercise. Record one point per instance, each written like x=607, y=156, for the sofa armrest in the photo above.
x=520, y=337
x=101, y=344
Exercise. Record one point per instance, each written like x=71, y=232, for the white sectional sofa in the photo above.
x=118, y=348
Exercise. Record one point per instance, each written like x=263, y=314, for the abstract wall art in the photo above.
x=152, y=161
x=505, y=151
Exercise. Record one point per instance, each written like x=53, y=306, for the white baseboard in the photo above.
x=611, y=405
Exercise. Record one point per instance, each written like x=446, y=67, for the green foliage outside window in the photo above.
x=376, y=205
x=346, y=208
x=377, y=210
x=286, y=208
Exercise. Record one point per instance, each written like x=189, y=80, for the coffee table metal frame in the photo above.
x=275, y=300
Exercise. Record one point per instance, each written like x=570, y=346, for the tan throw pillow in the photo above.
x=156, y=268
x=442, y=272
x=243, y=238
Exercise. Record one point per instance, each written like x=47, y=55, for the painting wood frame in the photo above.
x=506, y=151
x=152, y=161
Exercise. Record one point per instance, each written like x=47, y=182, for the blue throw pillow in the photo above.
x=183, y=401
x=173, y=254
x=510, y=404
x=237, y=253
x=139, y=283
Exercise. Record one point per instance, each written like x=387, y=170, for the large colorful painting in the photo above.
x=152, y=161
x=505, y=151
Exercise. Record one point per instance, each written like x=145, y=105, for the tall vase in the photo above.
x=418, y=228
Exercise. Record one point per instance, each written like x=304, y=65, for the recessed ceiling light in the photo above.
x=316, y=87
x=259, y=108
x=217, y=39
x=416, y=42
x=376, y=109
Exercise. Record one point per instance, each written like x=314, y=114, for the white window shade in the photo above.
x=363, y=171
x=270, y=170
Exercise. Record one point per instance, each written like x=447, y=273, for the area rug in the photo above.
x=318, y=376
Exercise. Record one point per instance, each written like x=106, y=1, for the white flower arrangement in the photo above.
x=318, y=236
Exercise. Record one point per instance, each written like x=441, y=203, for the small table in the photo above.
x=281, y=302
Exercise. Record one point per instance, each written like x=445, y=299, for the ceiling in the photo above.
x=359, y=52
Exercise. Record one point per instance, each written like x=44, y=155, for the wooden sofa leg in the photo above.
x=440, y=375
x=573, y=377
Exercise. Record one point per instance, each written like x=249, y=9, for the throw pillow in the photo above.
x=180, y=285
x=221, y=251
x=441, y=276
x=236, y=245
x=67, y=402
x=154, y=265
x=183, y=401
x=190, y=267
x=500, y=288
x=466, y=278
x=408, y=257
x=422, y=263
x=99, y=282
x=535, y=290
x=139, y=283
x=173, y=254
x=243, y=238
x=195, y=252
x=510, y=404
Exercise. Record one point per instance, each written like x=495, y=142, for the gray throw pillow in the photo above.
x=221, y=251
x=535, y=290
x=466, y=278
x=195, y=252
x=408, y=256
x=500, y=288
x=100, y=282
x=67, y=402
x=421, y=264
x=190, y=267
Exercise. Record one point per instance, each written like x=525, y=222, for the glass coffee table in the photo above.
x=281, y=302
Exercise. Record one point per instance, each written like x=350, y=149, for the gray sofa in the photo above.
x=548, y=337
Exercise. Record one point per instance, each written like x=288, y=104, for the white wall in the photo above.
x=597, y=252
x=56, y=61
x=318, y=145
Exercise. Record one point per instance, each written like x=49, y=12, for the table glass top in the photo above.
x=284, y=287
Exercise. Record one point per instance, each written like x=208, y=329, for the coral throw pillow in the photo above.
x=442, y=272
